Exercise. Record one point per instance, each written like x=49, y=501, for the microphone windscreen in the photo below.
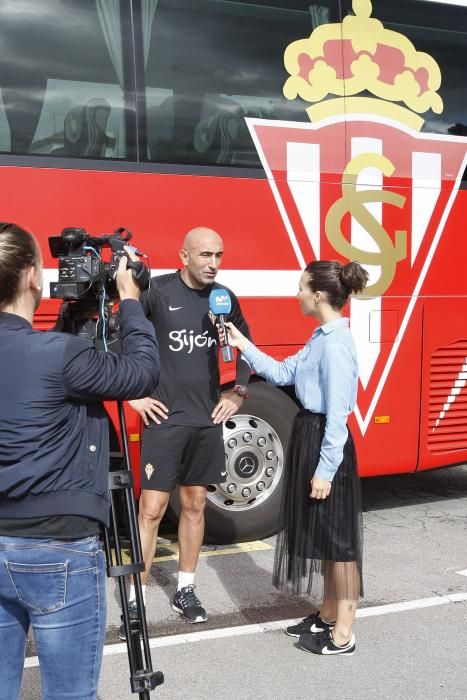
x=220, y=302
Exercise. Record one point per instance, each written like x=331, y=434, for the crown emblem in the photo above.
x=361, y=56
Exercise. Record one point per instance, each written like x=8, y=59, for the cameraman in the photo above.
x=54, y=458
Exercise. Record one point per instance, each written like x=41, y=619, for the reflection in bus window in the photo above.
x=61, y=77
x=210, y=64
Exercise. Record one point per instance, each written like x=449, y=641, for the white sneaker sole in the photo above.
x=329, y=653
x=192, y=622
x=294, y=634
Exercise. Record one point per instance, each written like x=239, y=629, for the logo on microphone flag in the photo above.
x=361, y=182
x=219, y=302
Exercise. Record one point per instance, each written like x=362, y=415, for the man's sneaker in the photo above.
x=324, y=644
x=312, y=624
x=133, y=610
x=187, y=604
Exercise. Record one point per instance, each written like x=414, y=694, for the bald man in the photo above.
x=182, y=440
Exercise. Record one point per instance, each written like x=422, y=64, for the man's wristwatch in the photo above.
x=240, y=390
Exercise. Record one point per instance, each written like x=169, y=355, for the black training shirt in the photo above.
x=188, y=342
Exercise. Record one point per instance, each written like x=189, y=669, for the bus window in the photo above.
x=210, y=64
x=61, y=78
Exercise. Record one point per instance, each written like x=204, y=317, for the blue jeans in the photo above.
x=57, y=587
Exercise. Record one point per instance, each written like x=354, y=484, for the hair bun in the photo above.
x=353, y=276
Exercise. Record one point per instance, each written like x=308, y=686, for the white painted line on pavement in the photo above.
x=412, y=605
x=173, y=640
x=462, y=573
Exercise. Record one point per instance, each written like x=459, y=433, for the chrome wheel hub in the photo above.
x=253, y=464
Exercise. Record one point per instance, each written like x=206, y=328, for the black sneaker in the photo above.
x=324, y=644
x=133, y=610
x=312, y=624
x=187, y=604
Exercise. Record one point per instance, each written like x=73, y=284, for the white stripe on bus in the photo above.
x=245, y=283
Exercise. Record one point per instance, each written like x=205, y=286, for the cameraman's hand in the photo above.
x=126, y=285
x=150, y=408
x=60, y=323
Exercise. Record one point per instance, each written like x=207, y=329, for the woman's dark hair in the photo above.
x=17, y=253
x=337, y=280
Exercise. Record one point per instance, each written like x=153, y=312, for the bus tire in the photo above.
x=246, y=507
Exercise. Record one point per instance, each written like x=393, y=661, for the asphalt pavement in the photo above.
x=411, y=630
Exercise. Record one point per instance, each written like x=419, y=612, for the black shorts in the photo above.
x=183, y=454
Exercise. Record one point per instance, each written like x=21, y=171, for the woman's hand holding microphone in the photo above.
x=234, y=337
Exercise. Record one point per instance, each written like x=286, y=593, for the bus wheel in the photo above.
x=246, y=506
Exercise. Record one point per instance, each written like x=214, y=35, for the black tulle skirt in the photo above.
x=319, y=544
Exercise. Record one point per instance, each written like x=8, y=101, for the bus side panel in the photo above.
x=389, y=445
x=443, y=420
x=158, y=209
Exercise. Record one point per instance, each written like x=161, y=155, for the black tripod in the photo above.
x=142, y=678
x=79, y=318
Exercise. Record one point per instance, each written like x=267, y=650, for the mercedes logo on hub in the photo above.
x=246, y=465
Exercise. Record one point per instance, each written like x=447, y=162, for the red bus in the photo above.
x=297, y=130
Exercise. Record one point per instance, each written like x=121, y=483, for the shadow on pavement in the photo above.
x=395, y=491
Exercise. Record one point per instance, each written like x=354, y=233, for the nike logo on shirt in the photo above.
x=175, y=308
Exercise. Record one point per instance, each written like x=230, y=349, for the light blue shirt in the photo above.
x=325, y=374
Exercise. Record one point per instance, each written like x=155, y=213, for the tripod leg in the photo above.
x=142, y=677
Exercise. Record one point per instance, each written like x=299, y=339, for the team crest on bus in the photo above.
x=360, y=182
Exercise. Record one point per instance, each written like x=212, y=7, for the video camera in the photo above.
x=87, y=283
x=82, y=273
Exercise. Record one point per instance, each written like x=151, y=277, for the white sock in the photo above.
x=132, y=595
x=185, y=578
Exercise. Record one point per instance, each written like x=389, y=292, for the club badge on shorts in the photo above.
x=149, y=469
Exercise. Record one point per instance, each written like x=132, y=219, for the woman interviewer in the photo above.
x=319, y=545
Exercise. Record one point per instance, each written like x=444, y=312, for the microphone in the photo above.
x=134, y=250
x=220, y=305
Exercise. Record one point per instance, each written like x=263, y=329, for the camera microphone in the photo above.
x=135, y=251
x=220, y=305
